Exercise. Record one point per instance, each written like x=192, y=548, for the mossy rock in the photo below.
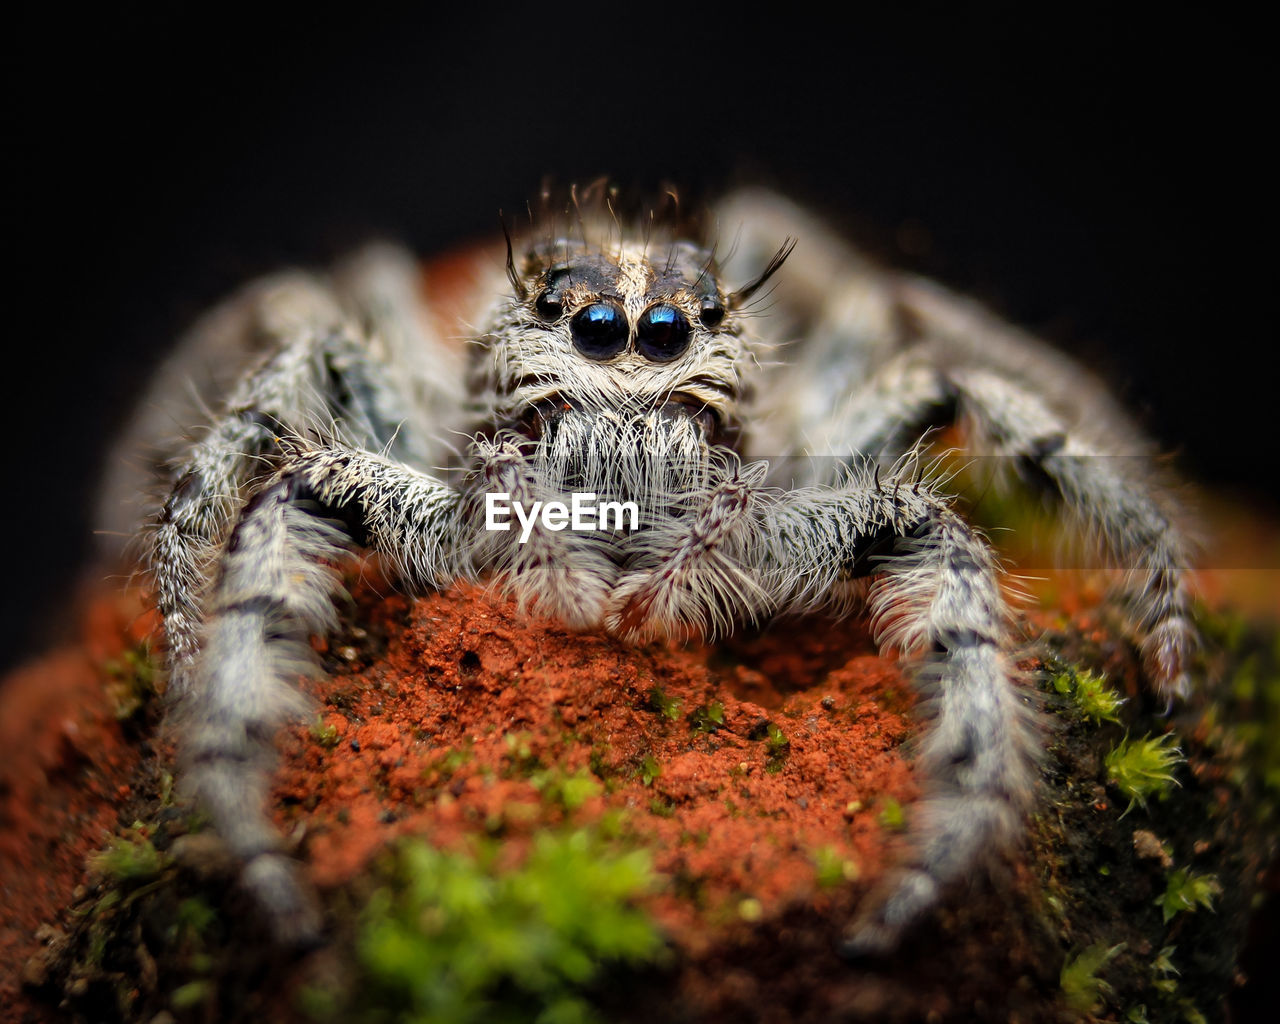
x=1128, y=901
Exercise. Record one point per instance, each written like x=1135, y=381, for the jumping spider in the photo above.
x=639, y=364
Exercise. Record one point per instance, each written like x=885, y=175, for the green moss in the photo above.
x=194, y=918
x=130, y=858
x=1163, y=973
x=325, y=735
x=707, y=718
x=832, y=868
x=1186, y=891
x=1090, y=695
x=1082, y=988
x=777, y=746
x=1143, y=768
x=666, y=706
x=132, y=681
x=192, y=994
x=1190, y=1013
x=570, y=791
x=891, y=815
x=443, y=768
x=1252, y=697
x=451, y=938
x=662, y=807
x=599, y=763
x=520, y=755
x=650, y=769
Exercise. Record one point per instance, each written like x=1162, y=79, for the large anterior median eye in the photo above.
x=599, y=330
x=662, y=334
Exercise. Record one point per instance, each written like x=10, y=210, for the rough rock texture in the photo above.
x=767, y=777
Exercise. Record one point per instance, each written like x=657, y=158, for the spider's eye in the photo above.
x=599, y=330
x=548, y=307
x=662, y=334
x=711, y=312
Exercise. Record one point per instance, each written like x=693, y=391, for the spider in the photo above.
x=761, y=419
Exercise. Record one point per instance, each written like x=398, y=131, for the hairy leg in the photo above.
x=276, y=587
x=1102, y=476
x=938, y=599
x=1116, y=501
x=317, y=371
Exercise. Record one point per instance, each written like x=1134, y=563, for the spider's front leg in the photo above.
x=316, y=368
x=939, y=598
x=746, y=551
x=275, y=588
x=881, y=357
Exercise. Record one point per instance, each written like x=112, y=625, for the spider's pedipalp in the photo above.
x=560, y=573
x=689, y=573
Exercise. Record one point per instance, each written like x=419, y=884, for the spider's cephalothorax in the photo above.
x=617, y=368
x=765, y=455
x=632, y=328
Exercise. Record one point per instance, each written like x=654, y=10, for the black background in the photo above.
x=1098, y=180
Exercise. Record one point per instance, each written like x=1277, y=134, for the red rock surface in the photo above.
x=450, y=715
x=66, y=772
x=418, y=681
x=464, y=671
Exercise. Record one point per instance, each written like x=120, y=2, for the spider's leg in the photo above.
x=419, y=397
x=1044, y=420
x=318, y=371
x=837, y=314
x=1116, y=501
x=881, y=420
x=939, y=597
x=274, y=588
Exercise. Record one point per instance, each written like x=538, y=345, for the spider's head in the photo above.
x=632, y=327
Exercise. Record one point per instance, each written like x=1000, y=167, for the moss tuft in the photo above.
x=1081, y=985
x=129, y=858
x=451, y=937
x=832, y=868
x=891, y=815
x=1143, y=768
x=324, y=734
x=570, y=791
x=1090, y=694
x=131, y=683
x=707, y=718
x=666, y=706
x=1187, y=891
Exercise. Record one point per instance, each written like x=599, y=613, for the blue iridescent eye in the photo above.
x=599, y=330
x=662, y=333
